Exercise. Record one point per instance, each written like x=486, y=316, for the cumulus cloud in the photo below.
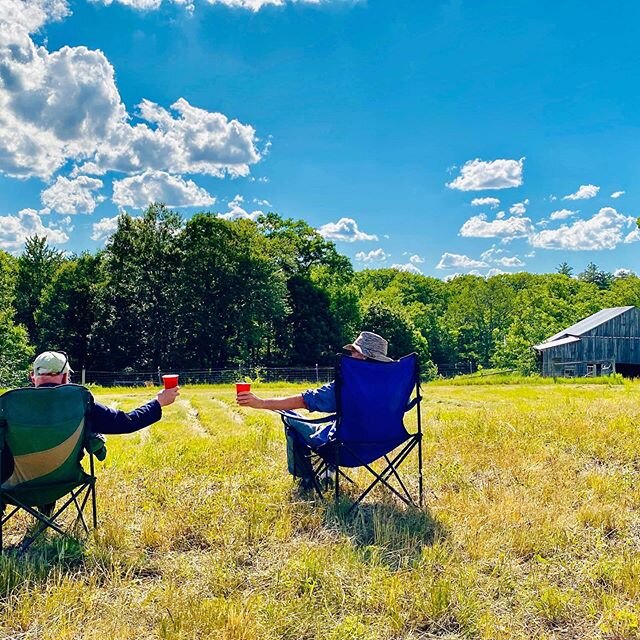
x=477, y=175
x=605, y=230
x=345, y=230
x=238, y=212
x=64, y=106
x=73, y=196
x=617, y=194
x=157, y=186
x=105, y=227
x=508, y=228
x=376, y=255
x=584, y=192
x=185, y=139
x=509, y=261
x=458, y=261
x=562, y=214
x=250, y=5
x=623, y=273
x=416, y=259
x=493, y=203
x=519, y=208
x=409, y=267
x=14, y=230
x=634, y=236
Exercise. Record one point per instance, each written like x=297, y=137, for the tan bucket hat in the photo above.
x=370, y=345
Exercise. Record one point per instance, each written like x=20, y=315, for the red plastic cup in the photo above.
x=243, y=386
x=170, y=381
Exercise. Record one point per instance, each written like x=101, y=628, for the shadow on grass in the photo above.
x=19, y=570
x=385, y=532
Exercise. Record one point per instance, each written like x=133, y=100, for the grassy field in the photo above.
x=531, y=529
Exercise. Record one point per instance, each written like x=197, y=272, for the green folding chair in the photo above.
x=45, y=431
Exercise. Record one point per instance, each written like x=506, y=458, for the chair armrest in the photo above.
x=296, y=416
x=413, y=403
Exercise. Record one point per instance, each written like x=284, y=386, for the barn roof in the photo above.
x=590, y=323
x=556, y=343
x=584, y=326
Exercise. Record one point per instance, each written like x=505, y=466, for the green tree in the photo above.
x=565, y=269
x=602, y=279
x=136, y=307
x=15, y=352
x=231, y=292
x=37, y=265
x=68, y=308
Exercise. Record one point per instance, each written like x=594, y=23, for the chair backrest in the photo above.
x=372, y=398
x=44, y=429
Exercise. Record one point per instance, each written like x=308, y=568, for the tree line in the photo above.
x=208, y=293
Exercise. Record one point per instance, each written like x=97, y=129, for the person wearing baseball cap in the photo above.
x=52, y=368
x=367, y=346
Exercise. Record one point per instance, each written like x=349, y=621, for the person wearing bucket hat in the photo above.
x=367, y=346
x=52, y=368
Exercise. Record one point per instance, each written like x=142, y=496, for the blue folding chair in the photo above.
x=372, y=398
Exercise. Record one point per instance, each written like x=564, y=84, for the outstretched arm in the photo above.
x=248, y=399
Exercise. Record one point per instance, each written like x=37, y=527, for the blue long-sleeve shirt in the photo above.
x=109, y=421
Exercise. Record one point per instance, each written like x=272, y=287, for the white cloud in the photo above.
x=157, y=186
x=479, y=227
x=184, y=140
x=346, y=230
x=416, y=259
x=491, y=256
x=617, y=194
x=105, y=227
x=562, y=214
x=250, y=5
x=457, y=261
x=73, y=196
x=376, y=255
x=509, y=261
x=14, y=230
x=634, y=236
x=605, y=230
x=519, y=208
x=63, y=106
x=262, y=203
x=238, y=212
x=494, y=272
x=477, y=175
x=494, y=203
x=623, y=273
x=409, y=267
x=585, y=192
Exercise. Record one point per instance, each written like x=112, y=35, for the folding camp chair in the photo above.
x=44, y=430
x=371, y=400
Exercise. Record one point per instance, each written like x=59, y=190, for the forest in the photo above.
x=207, y=292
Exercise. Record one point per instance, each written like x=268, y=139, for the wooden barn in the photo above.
x=606, y=342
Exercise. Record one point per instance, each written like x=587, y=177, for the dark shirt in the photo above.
x=103, y=420
x=106, y=420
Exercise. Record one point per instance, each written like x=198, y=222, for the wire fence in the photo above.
x=130, y=378
x=315, y=375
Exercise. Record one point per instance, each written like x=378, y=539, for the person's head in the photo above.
x=369, y=346
x=51, y=367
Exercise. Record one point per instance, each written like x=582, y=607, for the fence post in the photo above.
x=317, y=375
x=83, y=375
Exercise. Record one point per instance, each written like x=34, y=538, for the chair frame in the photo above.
x=83, y=491
x=320, y=463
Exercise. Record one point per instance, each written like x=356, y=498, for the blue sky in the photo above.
x=441, y=136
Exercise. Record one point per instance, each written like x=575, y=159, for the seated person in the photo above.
x=51, y=369
x=367, y=346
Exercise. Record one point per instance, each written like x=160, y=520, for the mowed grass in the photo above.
x=531, y=529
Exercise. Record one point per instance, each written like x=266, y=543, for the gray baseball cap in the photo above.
x=51, y=363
